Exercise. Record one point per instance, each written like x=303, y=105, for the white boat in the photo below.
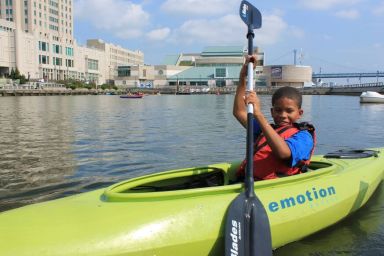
x=371, y=97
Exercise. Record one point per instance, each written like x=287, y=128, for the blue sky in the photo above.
x=331, y=35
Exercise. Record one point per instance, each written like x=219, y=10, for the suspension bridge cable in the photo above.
x=280, y=57
x=340, y=65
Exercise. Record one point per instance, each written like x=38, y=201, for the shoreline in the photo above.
x=353, y=90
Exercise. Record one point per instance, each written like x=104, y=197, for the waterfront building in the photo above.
x=115, y=56
x=146, y=76
x=288, y=75
x=36, y=37
x=219, y=66
x=215, y=66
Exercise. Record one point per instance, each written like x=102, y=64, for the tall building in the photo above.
x=44, y=46
x=43, y=36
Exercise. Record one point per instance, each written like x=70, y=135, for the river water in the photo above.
x=55, y=146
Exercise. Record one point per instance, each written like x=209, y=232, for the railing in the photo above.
x=380, y=84
x=348, y=75
x=33, y=86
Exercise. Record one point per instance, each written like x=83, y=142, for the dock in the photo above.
x=352, y=90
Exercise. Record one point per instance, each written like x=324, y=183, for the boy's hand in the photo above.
x=251, y=98
x=248, y=59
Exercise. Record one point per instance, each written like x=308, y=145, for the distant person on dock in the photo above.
x=280, y=149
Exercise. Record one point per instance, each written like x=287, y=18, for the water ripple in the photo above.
x=57, y=146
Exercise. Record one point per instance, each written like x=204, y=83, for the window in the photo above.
x=57, y=61
x=69, y=51
x=43, y=59
x=43, y=46
x=69, y=63
x=93, y=64
x=123, y=71
x=221, y=72
x=220, y=83
x=57, y=49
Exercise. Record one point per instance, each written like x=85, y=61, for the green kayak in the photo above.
x=182, y=212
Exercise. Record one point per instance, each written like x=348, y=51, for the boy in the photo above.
x=282, y=148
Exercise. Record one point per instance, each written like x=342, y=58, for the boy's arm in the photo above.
x=278, y=145
x=239, y=107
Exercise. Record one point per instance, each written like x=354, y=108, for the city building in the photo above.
x=36, y=37
x=288, y=75
x=215, y=66
x=115, y=56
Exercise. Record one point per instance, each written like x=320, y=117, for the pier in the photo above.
x=17, y=91
x=352, y=89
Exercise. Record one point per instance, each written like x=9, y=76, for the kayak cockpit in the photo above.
x=205, y=177
x=173, y=182
x=183, y=182
x=217, y=178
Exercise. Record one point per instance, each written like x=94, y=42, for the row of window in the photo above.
x=44, y=46
x=53, y=27
x=44, y=59
x=53, y=3
x=53, y=19
x=5, y=29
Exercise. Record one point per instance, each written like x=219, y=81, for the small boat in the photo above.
x=182, y=212
x=371, y=97
x=132, y=96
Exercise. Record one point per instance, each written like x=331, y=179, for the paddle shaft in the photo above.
x=247, y=229
x=249, y=181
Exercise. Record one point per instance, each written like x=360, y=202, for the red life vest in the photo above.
x=266, y=164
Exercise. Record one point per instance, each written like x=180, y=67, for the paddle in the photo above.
x=247, y=230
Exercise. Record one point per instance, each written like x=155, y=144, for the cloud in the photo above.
x=326, y=4
x=327, y=37
x=123, y=18
x=348, y=14
x=228, y=30
x=200, y=7
x=297, y=32
x=159, y=34
x=379, y=10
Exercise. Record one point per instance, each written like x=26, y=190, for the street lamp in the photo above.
x=377, y=77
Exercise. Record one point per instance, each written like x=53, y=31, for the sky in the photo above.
x=329, y=35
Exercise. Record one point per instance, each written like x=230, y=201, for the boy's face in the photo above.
x=286, y=111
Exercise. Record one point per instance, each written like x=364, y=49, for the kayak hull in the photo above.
x=149, y=215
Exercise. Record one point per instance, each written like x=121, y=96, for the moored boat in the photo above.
x=132, y=96
x=371, y=97
x=182, y=212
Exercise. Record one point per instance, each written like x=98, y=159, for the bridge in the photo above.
x=347, y=75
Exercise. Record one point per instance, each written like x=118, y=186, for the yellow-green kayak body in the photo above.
x=182, y=212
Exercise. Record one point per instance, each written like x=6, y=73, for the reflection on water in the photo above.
x=360, y=234
x=36, y=137
x=56, y=146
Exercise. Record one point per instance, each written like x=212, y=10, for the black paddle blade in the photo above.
x=247, y=229
x=250, y=15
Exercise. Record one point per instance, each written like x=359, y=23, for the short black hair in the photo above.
x=287, y=92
